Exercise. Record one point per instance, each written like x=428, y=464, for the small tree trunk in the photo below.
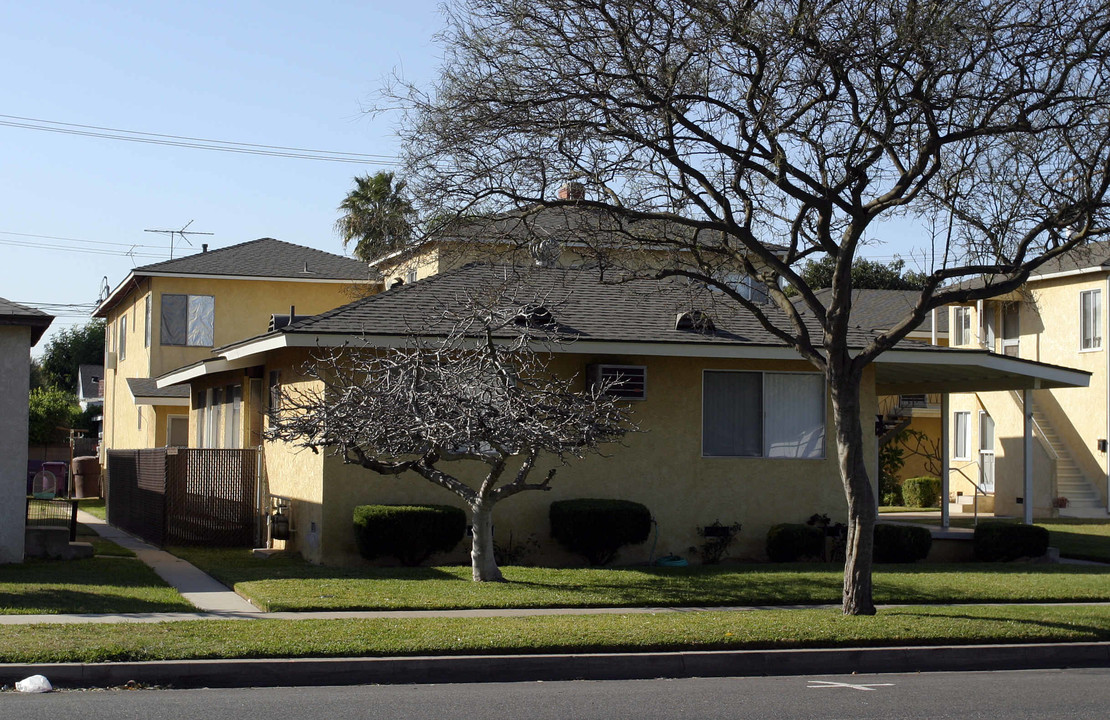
x=862, y=513
x=483, y=564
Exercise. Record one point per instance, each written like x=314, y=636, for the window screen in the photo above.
x=732, y=410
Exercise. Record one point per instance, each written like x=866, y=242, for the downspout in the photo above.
x=1106, y=352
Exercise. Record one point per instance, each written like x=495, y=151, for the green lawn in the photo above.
x=95, y=585
x=93, y=506
x=101, y=547
x=289, y=584
x=583, y=633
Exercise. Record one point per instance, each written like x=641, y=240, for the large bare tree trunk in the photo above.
x=862, y=512
x=483, y=564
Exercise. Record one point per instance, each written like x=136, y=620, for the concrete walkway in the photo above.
x=199, y=588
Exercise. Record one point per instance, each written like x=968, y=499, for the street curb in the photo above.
x=532, y=668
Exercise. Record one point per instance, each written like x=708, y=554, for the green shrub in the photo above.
x=788, y=542
x=901, y=543
x=1000, y=541
x=598, y=528
x=409, y=533
x=921, y=491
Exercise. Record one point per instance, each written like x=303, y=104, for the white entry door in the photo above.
x=986, y=452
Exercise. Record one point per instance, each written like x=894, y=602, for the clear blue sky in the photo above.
x=273, y=73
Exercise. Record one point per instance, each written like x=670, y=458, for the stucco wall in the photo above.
x=661, y=467
x=15, y=358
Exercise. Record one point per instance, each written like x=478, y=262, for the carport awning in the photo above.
x=947, y=370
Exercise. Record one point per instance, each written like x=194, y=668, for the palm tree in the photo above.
x=376, y=216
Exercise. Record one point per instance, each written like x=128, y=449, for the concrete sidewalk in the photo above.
x=199, y=588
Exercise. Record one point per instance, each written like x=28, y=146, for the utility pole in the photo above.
x=183, y=232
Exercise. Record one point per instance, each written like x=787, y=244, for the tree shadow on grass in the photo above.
x=97, y=599
x=1095, y=632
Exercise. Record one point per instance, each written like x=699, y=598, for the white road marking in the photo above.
x=823, y=684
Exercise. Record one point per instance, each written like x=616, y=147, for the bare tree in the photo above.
x=480, y=393
x=754, y=134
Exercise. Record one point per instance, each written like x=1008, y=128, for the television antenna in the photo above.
x=184, y=232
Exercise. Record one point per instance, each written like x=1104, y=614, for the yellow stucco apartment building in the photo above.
x=171, y=314
x=735, y=425
x=1058, y=318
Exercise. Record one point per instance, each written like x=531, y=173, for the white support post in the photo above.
x=945, y=454
x=1027, y=455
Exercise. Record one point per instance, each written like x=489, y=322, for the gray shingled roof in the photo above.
x=1091, y=255
x=599, y=228
x=882, y=309
x=148, y=388
x=12, y=313
x=634, y=311
x=264, y=257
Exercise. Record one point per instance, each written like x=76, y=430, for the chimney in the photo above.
x=204, y=247
x=572, y=191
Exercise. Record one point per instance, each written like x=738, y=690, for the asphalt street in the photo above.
x=1014, y=695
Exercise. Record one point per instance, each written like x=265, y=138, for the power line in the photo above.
x=195, y=143
x=86, y=251
x=72, y=239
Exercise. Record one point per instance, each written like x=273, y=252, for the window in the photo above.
x=410, y=276
x=1011, y=329
x=212, y=428
x=748, y=287
x=275, y=391
x=122, y=337
x=147, y=315
x=201, y=419
x=233, y=415
x=961, y=326
x=961, y=426
x=188, y=320
x=1090, y=320
x=772, y=415
x=140, y=421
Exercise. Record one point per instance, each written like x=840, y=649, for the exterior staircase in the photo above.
x=1083, y=497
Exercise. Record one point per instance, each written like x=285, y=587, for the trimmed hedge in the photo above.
x=788, y=542
x=901, y=543
x=1001, y=542
x=597, y=528
x=410, y=533
x=921, y=492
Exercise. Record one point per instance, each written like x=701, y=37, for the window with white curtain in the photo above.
x=233, y=416
x=122, y=337
x=961, y=326
x=1090, y=312
x=961, y=427
x=755, y=414
x=211, y=432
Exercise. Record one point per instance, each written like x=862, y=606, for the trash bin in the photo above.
x=86, y=476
